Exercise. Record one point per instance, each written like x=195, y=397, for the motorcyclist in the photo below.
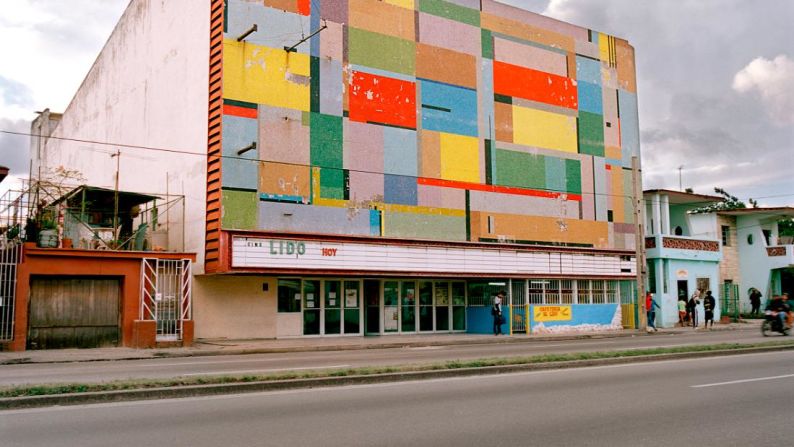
x=779, y=305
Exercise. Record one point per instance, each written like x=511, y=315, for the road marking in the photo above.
x=732, y=382
x=262, y=370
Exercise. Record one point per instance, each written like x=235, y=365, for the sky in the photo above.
x=714, y=77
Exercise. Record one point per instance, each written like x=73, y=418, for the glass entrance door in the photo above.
x=441, y=292
x=426, y=306
x=332, y=301
x=408, y=306
x=372, y=303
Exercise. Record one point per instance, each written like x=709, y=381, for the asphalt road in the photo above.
x=89, y=372
x=719, y=401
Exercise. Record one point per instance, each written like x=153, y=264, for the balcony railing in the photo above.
x=667, y=246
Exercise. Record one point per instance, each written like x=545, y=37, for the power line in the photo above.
x=362, y=171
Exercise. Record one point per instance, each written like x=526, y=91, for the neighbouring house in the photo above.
x=755, y=255
x=682, y=250
x=362, y=167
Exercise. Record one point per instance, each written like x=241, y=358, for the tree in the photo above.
x=729, y=202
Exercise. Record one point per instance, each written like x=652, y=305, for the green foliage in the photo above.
x=729, y=202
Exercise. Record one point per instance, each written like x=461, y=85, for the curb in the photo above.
x=156, y=354
x=251, y=387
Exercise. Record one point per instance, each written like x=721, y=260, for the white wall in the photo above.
x=148, y=87
x=754, y=262
x=704, y=226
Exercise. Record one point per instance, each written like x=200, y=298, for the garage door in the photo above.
x=73, y=313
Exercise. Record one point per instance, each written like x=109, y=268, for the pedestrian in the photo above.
x=692, y=308
x=682, y=312
x=709, y=304
x=755, y=301
x=650, y=309
x=496, y=312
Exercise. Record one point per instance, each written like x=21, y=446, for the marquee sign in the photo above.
x=264, y=253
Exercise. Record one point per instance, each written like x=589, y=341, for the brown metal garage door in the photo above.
x=73, y=313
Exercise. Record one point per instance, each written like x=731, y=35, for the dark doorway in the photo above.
x=372, y=300
x=683, y=290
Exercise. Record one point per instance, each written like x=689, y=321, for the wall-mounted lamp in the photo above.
x=251, y=146
x=245, y=34
x=294, y=47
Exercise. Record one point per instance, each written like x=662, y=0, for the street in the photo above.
x=733, y=400
x=85, y=372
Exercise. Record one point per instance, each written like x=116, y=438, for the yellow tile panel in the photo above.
x=460, y=158
x=264, y=75
x=532, y=127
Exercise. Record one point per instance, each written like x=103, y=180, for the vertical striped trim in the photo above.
x=212, y=242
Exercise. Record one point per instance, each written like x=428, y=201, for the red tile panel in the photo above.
x=534, y=85
x=378, y=99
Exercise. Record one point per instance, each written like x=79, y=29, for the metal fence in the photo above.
x=10, y=253
x=166, y=295
x=730, y=304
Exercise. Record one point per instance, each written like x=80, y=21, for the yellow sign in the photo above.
x=552, y=313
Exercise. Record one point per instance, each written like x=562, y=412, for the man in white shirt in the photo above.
x=496, y=311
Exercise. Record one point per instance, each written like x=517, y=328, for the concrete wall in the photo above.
x=406, y=106
x=754, y=263
x=148, y=87
x=235, y=307
x=689, y=271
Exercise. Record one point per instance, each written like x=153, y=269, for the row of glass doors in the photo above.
x=333, y=306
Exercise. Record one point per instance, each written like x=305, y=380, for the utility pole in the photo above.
x=639, y=242
x=116, y=234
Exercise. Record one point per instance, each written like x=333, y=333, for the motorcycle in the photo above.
x=772, y=324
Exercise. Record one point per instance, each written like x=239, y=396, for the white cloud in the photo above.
x=773, y=80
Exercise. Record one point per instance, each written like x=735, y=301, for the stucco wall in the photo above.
x=148, y=87
x=753, y=259
x=234, y=307
x=689, y=271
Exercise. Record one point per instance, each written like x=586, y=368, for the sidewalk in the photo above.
x=206, y=347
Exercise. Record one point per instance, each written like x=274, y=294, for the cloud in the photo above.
x=14, y=148
x=773, y=80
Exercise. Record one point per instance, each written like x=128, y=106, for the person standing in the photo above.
x=682, y=312
x=650, y=308
x=496, y=312
x=692, y=308
x=755, y=301
x=709, y=304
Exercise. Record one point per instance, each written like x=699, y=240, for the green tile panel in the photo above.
x=450, y=11
x=591, y=134
x=520, y=169
x=239, y=209
x=381, y=51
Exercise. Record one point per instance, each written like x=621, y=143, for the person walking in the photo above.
x=755, y=301
x=650, y=308
x=709, y=304
x=692, y=308
x=496, y=312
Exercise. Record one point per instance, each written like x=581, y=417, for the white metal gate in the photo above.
x=9, y=260
x=166, y=295
x=518, y=306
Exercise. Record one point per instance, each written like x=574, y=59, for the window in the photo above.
x=726, y=236
x=289, y=295
x=750, y=239
x=767, y=235
x=679, y=231
x=583, y=286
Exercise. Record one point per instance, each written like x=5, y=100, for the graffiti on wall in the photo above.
x=452, y=120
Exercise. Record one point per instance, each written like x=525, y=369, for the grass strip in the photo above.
x=72, y=388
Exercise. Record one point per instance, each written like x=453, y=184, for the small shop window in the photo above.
x=566, y=291
x=597, y=290
x=289, y=295
x=583, y=286
x=552, y=295
x=726, y=236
